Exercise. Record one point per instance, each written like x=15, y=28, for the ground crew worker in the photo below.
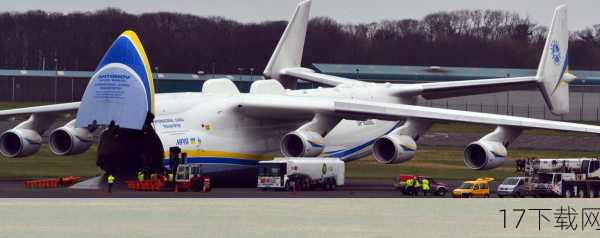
x=417, y=186
x=111, y=180
x=425, y=186
x=140, y=176
x=409, y=186
x=170, y=178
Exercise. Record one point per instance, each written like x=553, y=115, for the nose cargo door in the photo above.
x=121, y=93
x=121, y=90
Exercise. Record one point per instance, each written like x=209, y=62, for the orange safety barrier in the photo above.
x=43, y=183
x=146, y=185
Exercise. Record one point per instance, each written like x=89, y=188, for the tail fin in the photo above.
x=288, y=53
x=553, y=70
x=121, y=91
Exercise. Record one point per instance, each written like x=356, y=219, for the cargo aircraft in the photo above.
x=229, y=132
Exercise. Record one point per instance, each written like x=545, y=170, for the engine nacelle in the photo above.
x=19, y=143
x=68, y=140
x=301, y=144
x=394, y=149
x=483, y=155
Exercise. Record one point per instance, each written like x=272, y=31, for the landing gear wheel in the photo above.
x=307, y=185
x=568, y=193
x=332, y=184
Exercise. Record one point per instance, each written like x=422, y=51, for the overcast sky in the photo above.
x=582, y=13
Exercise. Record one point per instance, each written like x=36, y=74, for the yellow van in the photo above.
x=479, y=188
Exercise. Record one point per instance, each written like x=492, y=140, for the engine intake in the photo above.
x=70, y=141
x=394, y=149
x=19, y=143
x=301, y=144
x=484, y=155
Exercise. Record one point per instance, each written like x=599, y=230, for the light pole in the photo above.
x=56, y=80
x=72, y=89
x=214, y=65
x=251, y=74
x=581, y=109
x=13, y=89
x=240, y=70
x=157, y=77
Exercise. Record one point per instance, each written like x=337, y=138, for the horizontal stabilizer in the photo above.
x=121, y=90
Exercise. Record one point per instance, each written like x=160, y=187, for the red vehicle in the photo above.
x=436, y=188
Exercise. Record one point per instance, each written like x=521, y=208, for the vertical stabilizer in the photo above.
x=553, y=70
x=288, y=53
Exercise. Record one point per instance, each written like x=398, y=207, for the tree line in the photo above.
x=187, y=43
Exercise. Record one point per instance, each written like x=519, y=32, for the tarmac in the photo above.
x=354, y=188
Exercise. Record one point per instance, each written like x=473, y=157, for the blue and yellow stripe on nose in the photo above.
x=127, y=49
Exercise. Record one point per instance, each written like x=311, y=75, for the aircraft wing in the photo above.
x=294, y=108
x=47, y=109
x=466, y=87
x=311, y=76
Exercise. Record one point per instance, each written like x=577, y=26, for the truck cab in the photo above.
x=272, y=174
x=550, y=184
x=185, y=174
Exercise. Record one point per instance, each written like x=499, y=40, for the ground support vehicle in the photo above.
x=301, y=173
x=566, y=177
x=479, y=188
x=436, y=188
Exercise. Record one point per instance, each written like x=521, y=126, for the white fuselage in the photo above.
x=207, y=127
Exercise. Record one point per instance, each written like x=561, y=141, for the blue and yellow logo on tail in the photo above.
x=127, y=49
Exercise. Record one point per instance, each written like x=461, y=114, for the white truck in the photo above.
x=302, y=173
x=567, y=177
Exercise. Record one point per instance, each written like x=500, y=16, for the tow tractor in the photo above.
x=189, y=176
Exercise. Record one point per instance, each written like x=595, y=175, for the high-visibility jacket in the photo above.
x=170, y=177
x=417, y=184
x=410, y=183
x=425, y=184
x=111, y=179
x=140, y=176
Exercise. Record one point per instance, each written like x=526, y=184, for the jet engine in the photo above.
x=68, y=140
x=490, y=151
x=19, y=143
x=394, y=149
x=301, y=144
x=483, y=155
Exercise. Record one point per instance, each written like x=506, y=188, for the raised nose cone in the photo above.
x=121, y=90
